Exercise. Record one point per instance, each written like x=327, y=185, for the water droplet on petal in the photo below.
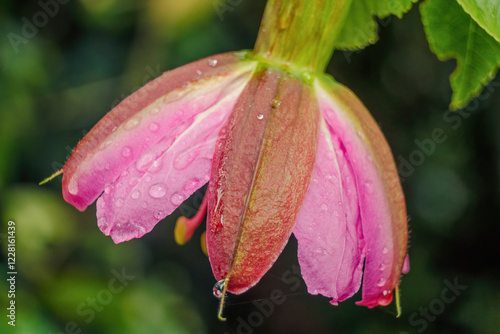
x=385, y=250
x=212, y=62
x=126, y=152
x=219, y=288
x=157, y=190
x=156, y=166
x=119, y=202
x=155, y=110
x=107, y=190
x=276, y=103
x=336, y=213
x=132, y=123
x=260, y=116
x=340, y=203
x=177, y=199
x=144, y=204
x=199, y=72
x=153, y=127
x=382, y=267
x=384, y=292
x=135, y=194
x=124, y=173
x=158, y=214
x=191, y=184
x=144, y=162
x=324, y=207
x=73, y=186
x=381, y=282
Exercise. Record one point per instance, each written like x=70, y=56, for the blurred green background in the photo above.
x=57, y=80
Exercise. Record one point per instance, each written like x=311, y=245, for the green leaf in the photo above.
x=452, y=33
x=486, y=13
x=359, y=28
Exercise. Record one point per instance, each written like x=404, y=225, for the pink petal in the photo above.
x=123, y=135
x=328, y=228
x=169, y=171
x=381, y=201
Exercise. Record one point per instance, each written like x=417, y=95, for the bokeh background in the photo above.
x=59, y=79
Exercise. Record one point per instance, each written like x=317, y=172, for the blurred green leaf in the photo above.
x=486, y=13
x=452, y=33
x=360, y=28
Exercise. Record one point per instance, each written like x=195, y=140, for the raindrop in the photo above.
x=126, y=151
x=144, y=162
x=260, y=116
x=191, y=184
x=276, y=103
x=385, y=250
x=198, y=72
x=158, y=214
x=156, y=166
x=119, y=202
x=340, y=203
x=384, y=292
x=73, y=186
x=132, y=123
x=153, y=127
x=336, y=213
x=157, y=190
x=382, y=267
x=155, y=110
x=107, y=190
x=212, y=62
x=324, y=207
x=219, y=288
x=177, y=199
x=381, y=282
x=135, y=194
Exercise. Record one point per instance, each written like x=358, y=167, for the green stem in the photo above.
x=300, y=34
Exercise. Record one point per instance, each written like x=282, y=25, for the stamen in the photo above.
x=185, y=227
x=56, y=174
x=203, y=242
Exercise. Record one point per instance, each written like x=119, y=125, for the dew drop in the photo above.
x=135, y=194
x=212, y=62
x=124, y=173
x=155, y=110
x=144, y=204
x=132, y=123
x=381, y=282
x=157, y=190
x=219, y=288
x=382, y=267
x=158, y=214
x=144, y=162
x=384, y=292
x=199, y=72
x=324, y=207
x=191, y=184
x=385, y=250
x=276, y=103
x=177, y=199
x=336, y=213
x=107, y=190
x=156, y=166
x=260, y=116
x=119, y=202
x=126, y=152
x=153, y=127
x=73, y=186
x=340, y=203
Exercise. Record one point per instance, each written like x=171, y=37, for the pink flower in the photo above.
x=282, y=153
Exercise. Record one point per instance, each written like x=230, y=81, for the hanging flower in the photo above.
x=285, y=149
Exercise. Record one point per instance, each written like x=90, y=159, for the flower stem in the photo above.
x=300, y=34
